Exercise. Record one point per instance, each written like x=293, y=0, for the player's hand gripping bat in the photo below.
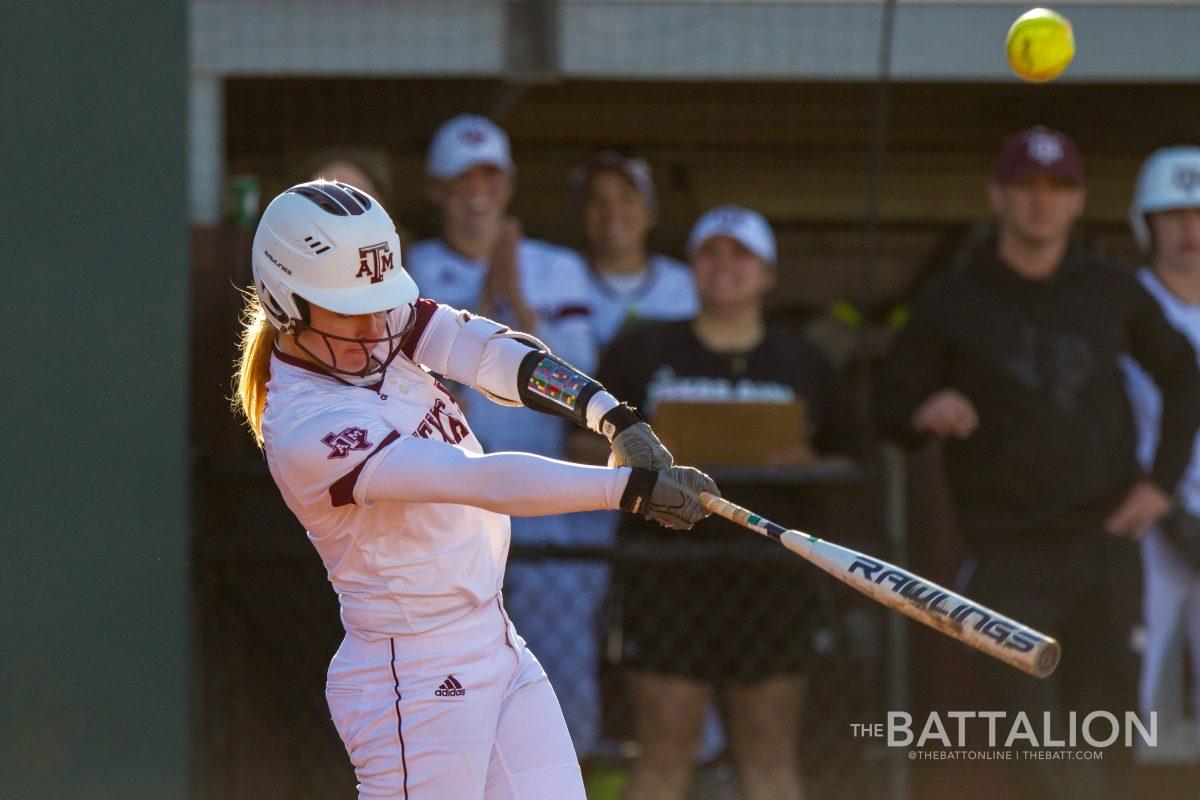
x=911, y=595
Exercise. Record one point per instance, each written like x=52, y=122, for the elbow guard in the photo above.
x=478, y=352
x=548, y=384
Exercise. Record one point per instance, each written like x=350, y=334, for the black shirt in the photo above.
x=1055, y=446
x=651, y=361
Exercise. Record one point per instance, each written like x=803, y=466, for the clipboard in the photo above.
x=728, y=434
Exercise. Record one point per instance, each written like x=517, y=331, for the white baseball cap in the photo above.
x=748, y=228
x=464, y=142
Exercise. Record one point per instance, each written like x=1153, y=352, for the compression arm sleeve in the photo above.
x=415, y=470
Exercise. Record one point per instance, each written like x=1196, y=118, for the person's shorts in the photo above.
x=713, y=618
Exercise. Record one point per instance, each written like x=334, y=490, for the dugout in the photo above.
x=773, y=105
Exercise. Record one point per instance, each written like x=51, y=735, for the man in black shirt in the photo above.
x=1012, y=359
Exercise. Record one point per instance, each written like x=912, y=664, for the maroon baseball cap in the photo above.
x=1038, y=151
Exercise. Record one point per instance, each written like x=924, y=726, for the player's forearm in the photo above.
x=519, y=484
x=515, y=370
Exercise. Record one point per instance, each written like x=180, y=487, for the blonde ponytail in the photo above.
x=253, y=366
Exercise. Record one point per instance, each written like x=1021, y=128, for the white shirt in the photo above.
x=665, y=290
x=389, y=480
x=555, y=286
x=1145, y=398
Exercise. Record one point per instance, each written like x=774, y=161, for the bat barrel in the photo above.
x=988, y=631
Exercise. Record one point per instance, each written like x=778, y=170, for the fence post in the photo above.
x=895, y=478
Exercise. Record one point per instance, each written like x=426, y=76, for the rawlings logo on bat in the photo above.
x=935, y=600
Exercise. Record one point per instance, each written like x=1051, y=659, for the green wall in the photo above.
x=94, y=311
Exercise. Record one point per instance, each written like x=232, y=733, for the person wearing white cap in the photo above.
x=1165, y=217
x=483, y=264
x=616, y=201
x=617, y=206
x=723, y=619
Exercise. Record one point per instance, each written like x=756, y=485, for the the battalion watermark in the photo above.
x=999, y=736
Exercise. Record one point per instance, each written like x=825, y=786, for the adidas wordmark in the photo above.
x=450, y=688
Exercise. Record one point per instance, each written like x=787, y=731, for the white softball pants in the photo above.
x=1172, y=616
x=464, y=711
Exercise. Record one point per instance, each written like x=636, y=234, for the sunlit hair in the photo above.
x=252, y=369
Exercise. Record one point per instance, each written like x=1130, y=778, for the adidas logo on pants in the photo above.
x=450, y=688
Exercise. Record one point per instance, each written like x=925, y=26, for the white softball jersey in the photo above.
x=432, y=691
x=1171, y=600
x=665, y=290
x=407, y=513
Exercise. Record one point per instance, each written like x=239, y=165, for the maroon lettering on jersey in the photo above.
x=452, y=429
x=457, y=429
x=432, y=418
x=342, y=443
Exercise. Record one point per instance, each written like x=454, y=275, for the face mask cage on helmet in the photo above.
x=392, y=339
x=294, y=327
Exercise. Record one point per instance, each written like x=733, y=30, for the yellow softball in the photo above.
x=1040, y=45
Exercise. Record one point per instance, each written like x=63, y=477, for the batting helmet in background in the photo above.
x=1170, y=179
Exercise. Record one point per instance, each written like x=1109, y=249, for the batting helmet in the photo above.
x=329, y=244
x=1170, y=178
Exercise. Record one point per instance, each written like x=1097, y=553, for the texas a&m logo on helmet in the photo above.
x=374, y=260
x=342, y=443
x=1187, y=179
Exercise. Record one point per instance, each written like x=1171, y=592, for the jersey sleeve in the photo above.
x=421, y=323
x=416, y=470
x=321, y=458
x=1167, y=356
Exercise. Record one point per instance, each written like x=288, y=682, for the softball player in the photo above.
x=1165, y=216
x=432, y=691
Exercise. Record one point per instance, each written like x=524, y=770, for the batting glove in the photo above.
x=670, y=497
x=633, y=442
